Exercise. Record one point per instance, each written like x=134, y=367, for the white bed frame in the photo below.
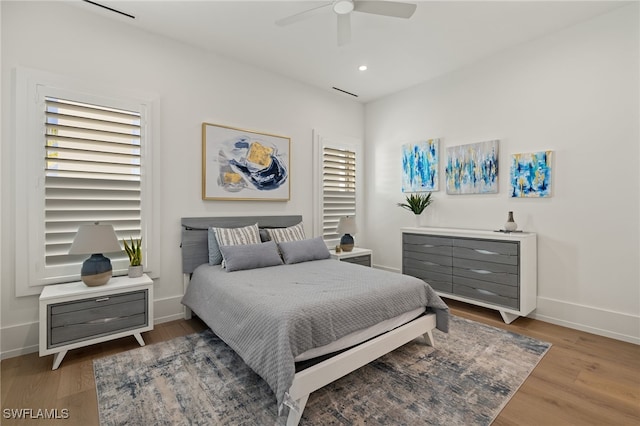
x=331, y=369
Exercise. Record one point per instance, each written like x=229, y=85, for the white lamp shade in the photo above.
x=95, y=238
x=347, y=225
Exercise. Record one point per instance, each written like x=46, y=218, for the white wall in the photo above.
x=575, y=92
x=193, y=87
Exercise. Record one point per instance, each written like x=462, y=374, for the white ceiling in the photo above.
x=440, y=37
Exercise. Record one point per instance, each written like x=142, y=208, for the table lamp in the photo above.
x=95, y=239
x=347, y=226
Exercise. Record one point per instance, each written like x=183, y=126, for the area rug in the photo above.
x=198, y=380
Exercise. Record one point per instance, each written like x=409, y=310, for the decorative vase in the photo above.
x=346, y=242
x=511, y=225
x=421, y=220
x=135, y=271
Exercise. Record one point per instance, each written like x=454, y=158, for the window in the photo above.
x=337, y=183
x=338, y=188
x=83, y=155
x=92, y=174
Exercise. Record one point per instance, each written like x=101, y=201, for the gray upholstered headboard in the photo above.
x=195, y=246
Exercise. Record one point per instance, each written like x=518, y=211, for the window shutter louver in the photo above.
x=338, y=188
x=92, y=174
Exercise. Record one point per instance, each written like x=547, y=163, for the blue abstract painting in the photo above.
x=244, y=165
x=473, y=168
x=420, y=163
x=531, y=175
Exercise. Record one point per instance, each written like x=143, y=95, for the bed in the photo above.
x=303, y=325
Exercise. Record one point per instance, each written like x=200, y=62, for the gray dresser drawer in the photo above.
x=486, y=271
x=489, y=251
x=364, y=260
x=488, y=292
x=80, y=319
x=427, y=244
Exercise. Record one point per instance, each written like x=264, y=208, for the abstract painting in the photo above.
x=531, y=175
x=473, y=168
x=242, y=164
x=420, y=163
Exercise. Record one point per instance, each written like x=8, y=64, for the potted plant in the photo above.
x=417, y=203
x=134, y=251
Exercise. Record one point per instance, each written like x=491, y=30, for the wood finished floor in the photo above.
x=583, y=380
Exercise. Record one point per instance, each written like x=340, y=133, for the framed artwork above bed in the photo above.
x=240, y=164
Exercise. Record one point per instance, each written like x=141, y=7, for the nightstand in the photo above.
x=360, y=256
x=73, y=315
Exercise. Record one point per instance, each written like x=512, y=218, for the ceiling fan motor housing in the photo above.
x=342, y=7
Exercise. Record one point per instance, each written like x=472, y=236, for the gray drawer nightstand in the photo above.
x=360, y=256
x=73, y=315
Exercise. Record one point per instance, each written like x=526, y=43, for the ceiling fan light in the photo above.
x=342, y=7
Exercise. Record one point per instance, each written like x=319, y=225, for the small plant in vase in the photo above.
x=417, y=203
x=134, y=251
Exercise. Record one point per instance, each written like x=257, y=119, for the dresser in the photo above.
x=73, y=315
x=486, y=268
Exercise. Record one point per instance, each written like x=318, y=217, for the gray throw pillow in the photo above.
x=215, y=257
x=250, y=256
x=304, y=250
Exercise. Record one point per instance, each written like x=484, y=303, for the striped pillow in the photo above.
x=235, y=236
x=283, y=235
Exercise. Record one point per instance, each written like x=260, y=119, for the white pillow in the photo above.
x=236, y=236
x=282, y=235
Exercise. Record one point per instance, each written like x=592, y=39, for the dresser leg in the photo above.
x=58, y=359
x=138, y=337
x=508, y=318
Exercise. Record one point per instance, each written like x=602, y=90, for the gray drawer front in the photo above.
x=485, y=271
x=71, y=333
x=429, y=262
x=427, y=244
x=364, y=260
x=89, y=318
x=486, y=295
x=489, y=251
x=96, y=302
x=439, y=282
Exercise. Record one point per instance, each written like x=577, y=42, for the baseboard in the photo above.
x=590, y=319
x=616, y=325
x=22, y=339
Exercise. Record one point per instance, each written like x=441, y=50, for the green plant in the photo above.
x=416, y=203
x=134, y=251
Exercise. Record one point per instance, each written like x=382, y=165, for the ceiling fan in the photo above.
x=343, y=9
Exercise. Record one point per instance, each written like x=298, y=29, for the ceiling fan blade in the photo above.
x=344, y=29
x=300, y=16
x=386, y=8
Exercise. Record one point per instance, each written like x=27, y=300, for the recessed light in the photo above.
x=362, y=67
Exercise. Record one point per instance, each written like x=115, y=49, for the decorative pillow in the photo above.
x=215, y=257
x=304, y=250
x=250, y=256
x=292, y=233
x=236, y=236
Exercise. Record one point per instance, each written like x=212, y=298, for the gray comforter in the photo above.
x=270, y=315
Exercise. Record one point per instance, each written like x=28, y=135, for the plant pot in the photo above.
x=421, y=220
x=135, y=271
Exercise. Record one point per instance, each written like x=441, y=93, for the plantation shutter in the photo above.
x=338, y=188
x=92, y=174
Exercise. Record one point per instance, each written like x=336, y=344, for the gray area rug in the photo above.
x=198, y=380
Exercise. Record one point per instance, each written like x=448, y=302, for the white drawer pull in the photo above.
x=487, y=292
x=428, y=245
x=104, y=320
x=485, y=251
x=481, y=271
x=102, y=299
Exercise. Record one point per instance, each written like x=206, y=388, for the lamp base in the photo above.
x=97, y=279
x=96, y=270
x=346, y=242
